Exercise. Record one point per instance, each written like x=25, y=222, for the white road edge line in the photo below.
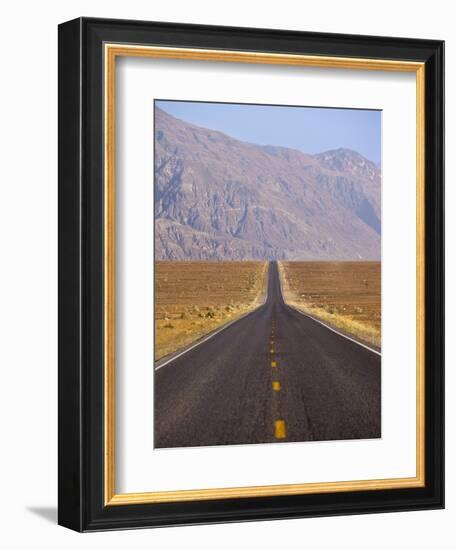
x=334, y=330
x=212, y=334
x=322, y=322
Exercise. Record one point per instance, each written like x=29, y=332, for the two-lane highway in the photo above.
x=274, y=375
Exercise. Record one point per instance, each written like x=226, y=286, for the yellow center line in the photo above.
x=276, y=385
x=272, y=350
x=273, y=364
x=280, y=430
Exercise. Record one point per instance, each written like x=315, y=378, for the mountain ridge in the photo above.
x=219, y=198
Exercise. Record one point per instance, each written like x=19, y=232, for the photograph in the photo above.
x=267, y=275
x=250, y=272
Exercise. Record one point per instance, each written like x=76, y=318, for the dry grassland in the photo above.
x=346, y=295
x=193, y=298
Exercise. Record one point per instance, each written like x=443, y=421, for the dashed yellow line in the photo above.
x=280, y=429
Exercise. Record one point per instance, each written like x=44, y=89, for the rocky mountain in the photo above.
x=218, y=198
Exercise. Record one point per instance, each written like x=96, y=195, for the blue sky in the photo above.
x=309, y=129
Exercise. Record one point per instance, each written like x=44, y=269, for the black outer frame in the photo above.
x=81, y=453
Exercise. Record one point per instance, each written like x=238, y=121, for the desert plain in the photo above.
x=193, y=298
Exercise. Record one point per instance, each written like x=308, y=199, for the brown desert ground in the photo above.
x=192, y=298
x=346, y=295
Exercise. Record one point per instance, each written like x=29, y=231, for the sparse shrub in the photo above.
x=184, y=290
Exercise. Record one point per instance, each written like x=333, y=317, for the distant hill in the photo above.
x=218, y=198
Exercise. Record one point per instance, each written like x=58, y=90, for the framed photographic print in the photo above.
x=250, y=274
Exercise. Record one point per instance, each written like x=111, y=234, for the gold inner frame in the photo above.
x=111, y=52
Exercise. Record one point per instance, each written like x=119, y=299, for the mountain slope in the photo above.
x=218, y=198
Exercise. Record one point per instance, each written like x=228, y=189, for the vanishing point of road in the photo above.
x=274, y=375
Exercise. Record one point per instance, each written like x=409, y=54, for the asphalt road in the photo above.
x=273, y=376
